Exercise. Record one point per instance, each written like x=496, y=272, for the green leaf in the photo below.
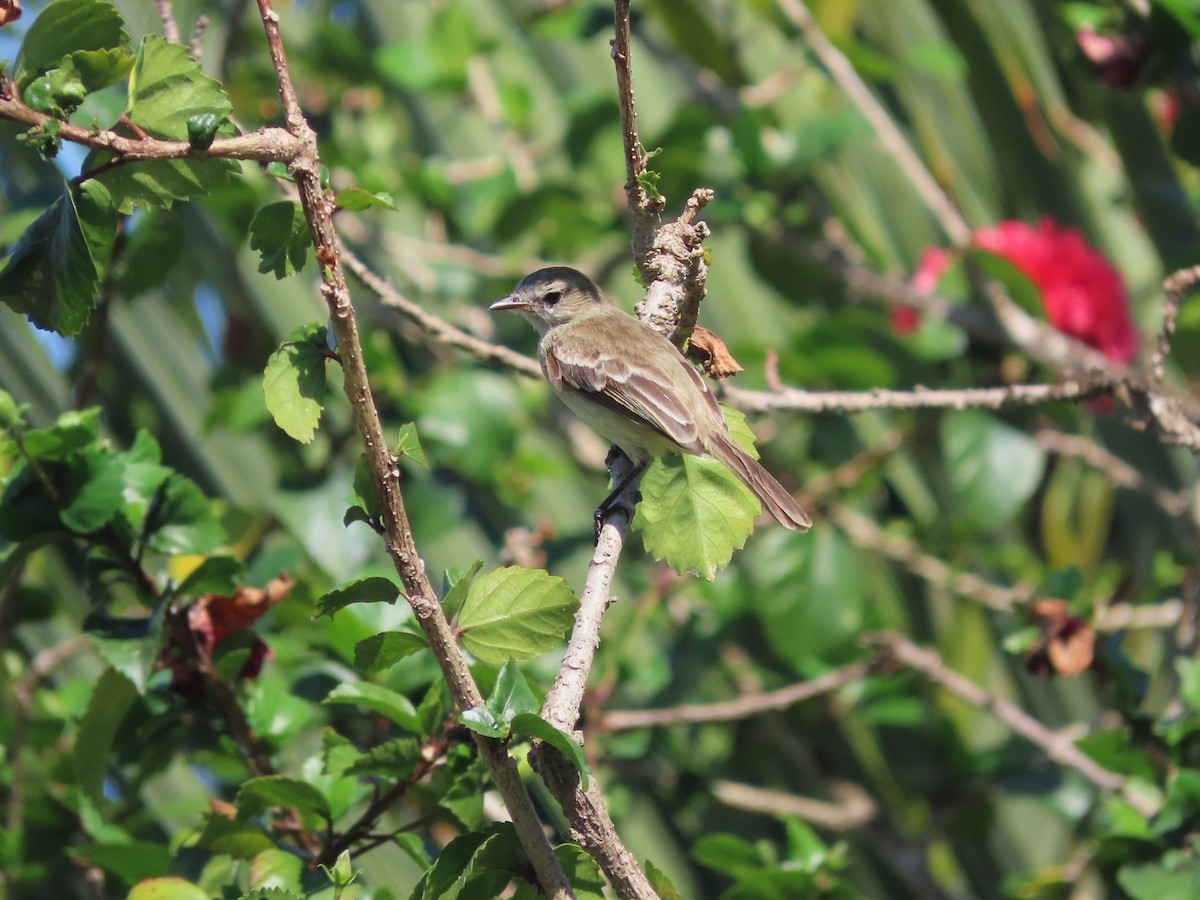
x=994, y=468
x=90, y=33
x=511, y=694
x=356, y=200
x=375, y=589
x=451, y=863
x=294, y=383
x=380, y=652
x=694, y=513
x=50, y=275
x=241, y=840
x=409, y=444
x=483, y=721
x=279, y=232
x=457, y=587
x=584, y=873
x=459, y=785
x=169, y=888
x=382, y=700
x=166, y=89
x=259, y=794
x=1157, y=881
x=112, y=698
x=129, y=862
x=100, y=491
x=393, y=759
x=533, y=725
x=515, y=612
x=661, y=883
x=276, y=869
x=216, y=575
x=183, y=521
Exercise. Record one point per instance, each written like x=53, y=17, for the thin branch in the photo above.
x=644, y=207
x=264, y=145
x=733, y=710
x=1059, y=746
x=167, y=17
x=1174, y=503
x=401, y=546
x=853, y=809
x=197, y=41
x=920, y=397
x=894, y=142
x=1176, y=286
x=438, y=329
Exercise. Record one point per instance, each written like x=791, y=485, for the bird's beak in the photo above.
x=510, y=302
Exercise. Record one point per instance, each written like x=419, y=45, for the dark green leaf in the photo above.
x=457, y=587
x=511, y=694
x=483, y=721
x=451, y=863
x=375, y=589
x=131, y=863
x=280, y=234
x=50, y=275
x=661, y=883
x=459, y=785
x=393, y=759
x=356, y=199
x=91, y=29
x=112, y=698
x=259, y=794
x=100, y=480
x=534, y=726
x=382, y=700
x=382, y=651
x=182, y=520
x=993, y=467
x=216, y=575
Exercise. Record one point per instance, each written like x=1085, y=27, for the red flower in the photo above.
x=1082, y=292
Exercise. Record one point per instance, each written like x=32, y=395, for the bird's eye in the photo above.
x=552, y=297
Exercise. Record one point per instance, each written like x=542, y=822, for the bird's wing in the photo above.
x=658, y=403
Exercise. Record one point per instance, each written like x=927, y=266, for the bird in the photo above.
x=630, y=384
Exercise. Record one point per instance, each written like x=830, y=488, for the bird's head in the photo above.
x=552, y=297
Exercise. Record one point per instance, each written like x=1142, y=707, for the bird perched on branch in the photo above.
x=632, y=385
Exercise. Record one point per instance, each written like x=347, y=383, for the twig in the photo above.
x=437, y=328
x=896, y=145
x=401, y=546
x=644, y=207
x=1176, y=286
x=866, y=533
x=920, y=397
x=167, y=17
x=1058, y=746
x=197, y=42
x=732, y=710
x=264, y=145
x=1173, y=503
x=853, y=808
x=487, y=97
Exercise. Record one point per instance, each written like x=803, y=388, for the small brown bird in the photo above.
x=632, y=385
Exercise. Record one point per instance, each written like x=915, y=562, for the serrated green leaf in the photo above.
x=694, y=513
x=131, y=862
x=112, y=698
x=183, y=520
x=375, y=589
x=435, y=884
x=393, y=759
x=456, y=592
x=259, y=794
x=739, y=430
x=382, y=651
x=91, y=28
x=294, y=388
x=50, y=275
x=515, y=612
x=409, y=444
x=379, y=699
x=276, y=869
x=458, y=785
x=279, y=232
x=511, y=694
x=100, y=491
x=166, y=89
x=356, y=199
x=534, y=726
x=241, y=840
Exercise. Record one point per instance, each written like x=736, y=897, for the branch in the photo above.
x=853, y=809
x=894, y=142
x=1059, y=746
x=304, y=168
x=264, y=145
x=733, y=710
x=796, y=400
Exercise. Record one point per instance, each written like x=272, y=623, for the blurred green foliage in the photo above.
x=467, y=141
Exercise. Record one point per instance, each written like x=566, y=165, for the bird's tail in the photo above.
x=778, y=502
